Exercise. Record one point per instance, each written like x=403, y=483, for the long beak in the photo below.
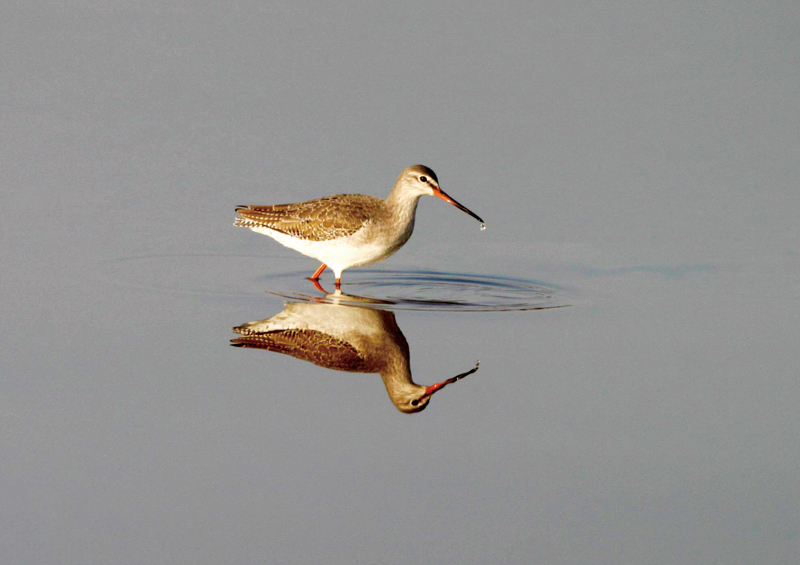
x=438, y=192
x=439, y=386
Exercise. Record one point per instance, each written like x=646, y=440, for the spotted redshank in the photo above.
x=348, y=230
x=345, y=338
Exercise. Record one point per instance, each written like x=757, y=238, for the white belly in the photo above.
x=361, y=248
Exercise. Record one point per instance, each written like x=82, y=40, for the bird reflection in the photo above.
x=345, y=338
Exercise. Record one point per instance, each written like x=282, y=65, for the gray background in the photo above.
x=642, y=156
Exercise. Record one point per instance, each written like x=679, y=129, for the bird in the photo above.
x=348, y=230
x=345, y=338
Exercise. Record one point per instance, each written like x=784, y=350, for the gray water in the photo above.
x=636, y=165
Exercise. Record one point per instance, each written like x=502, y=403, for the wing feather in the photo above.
x=322, y=219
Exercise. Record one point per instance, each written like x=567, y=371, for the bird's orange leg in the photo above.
x=338, y=284
x=317, y=273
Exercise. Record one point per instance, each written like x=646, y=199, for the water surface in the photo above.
x=633, y=303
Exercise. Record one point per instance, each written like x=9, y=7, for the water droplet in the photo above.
x=483, y=226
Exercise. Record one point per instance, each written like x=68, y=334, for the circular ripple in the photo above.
x=433, y=291
x=240, y=276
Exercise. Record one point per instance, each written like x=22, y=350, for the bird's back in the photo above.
x=321, y=219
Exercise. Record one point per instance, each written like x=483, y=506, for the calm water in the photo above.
x=634, y=303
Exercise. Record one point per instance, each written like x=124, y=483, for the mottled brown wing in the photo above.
x=318, y=220
x=308, y=345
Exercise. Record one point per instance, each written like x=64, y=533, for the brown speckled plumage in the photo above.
x=322, y=219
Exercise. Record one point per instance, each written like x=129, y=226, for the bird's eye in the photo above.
x=423, y=179
x=415, y=402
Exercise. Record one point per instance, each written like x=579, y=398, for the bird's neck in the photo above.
x=401, y=204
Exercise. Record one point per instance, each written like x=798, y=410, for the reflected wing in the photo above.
x=309, y=345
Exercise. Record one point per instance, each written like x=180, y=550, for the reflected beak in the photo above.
x=439, y=386
x=439, y=193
